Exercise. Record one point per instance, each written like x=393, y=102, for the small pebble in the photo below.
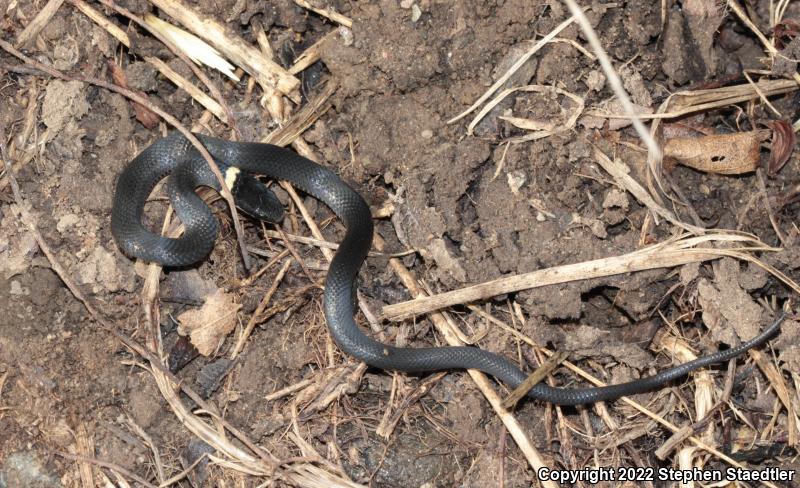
x=515, y=181
x=67, y=221
x=406, y=4
x=427, y=134
x=347, y=35
x=416, y=13
x=16, y=288
x=595, y=80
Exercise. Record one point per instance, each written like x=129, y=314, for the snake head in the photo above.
x=255, y=199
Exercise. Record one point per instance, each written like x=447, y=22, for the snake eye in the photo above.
x=254, y=198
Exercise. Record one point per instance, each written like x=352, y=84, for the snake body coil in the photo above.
x=175, y=156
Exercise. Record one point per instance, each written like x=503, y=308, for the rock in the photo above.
x=63, y=100
x=26, y=469
x=102, y=268
x=66, y=222
x=16, y=288
x=416, y=13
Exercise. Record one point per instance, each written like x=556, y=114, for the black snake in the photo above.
x=175, y=156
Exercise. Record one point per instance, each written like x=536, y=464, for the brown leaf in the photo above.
x=783, y=141
x=208, y=325
x=143, y=114
x=727, y=154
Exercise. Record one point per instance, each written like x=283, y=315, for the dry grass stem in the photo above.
x=577, y=46
x=671, y=253
x=536, y=377
x=102, y=21
x=275, y=255
x=274, y=258
x=703, y=394
x=22, y=150
x=762, y=189
x=288, y=390
x=206, y=101
x=264, y=70
x=312, y=54
x=328, y=13
x=36, y=25
x=138, y=430
x=538, y=131
x=761, y=94
x=782, y=391
x=195, y=48
x=343, y=380
x=737, y=9
x=693, y=101
x=183, y=474
x=199, y=73
x=303, y=118
x=84, y=446
x=389, y=422
x=115, y=468
x=613, y=78
x=621, y=174
x=328, y=244
x=513, y=69
x=255, y=317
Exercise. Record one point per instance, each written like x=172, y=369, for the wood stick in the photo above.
x=264, y=70
x=626, y=263
x=103, y=22
x=534, y=378
x=37, y=24
x=328, y=13
x=209, y=103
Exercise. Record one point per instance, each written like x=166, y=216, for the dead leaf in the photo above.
x=143, y=114
x=208, y=325
x=530, y=124
x=783, y=141
x=726, y=154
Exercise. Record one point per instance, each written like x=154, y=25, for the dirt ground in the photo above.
x=472, y=207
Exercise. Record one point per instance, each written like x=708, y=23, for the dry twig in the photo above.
x=613, y=78
x=38, y=23
x=674, y=252
x=269, y=74
x=513, y=69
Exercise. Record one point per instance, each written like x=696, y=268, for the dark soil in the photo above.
x=472, y=207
